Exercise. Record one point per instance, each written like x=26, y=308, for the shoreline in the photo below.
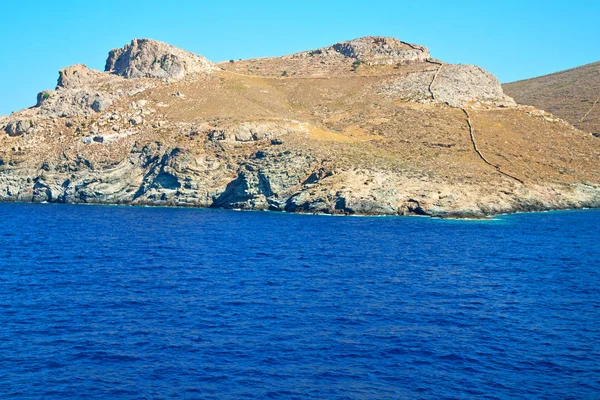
x=448, y=217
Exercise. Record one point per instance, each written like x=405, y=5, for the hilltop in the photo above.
x=373, y=125
x=573, y=95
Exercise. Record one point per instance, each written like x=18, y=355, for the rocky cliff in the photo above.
x=369, y=126
x=144, y=58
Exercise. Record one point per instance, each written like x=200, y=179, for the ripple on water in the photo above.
x=127, y=302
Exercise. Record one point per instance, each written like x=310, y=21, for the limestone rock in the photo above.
x=372, y=50
x=136, y=120
x=252, y=131
x=459, y=84
x=375, y=50
x=266, y=181
x=145, y=58
x=18, y=127
x=410, y=87
x=455, y=85
x=74, y=102
x=77, y=76
x=329, y=138
x=101, y=103
x=79, y=92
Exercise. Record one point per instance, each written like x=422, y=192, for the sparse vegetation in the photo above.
x=563, y=94
x=354, y=124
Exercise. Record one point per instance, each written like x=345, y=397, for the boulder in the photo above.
x=145, y=58
x=18, y=127
x=136, y=120
x=101, y=102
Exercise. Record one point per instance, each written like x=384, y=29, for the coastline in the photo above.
x=449, y=216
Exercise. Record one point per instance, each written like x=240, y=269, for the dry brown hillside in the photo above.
x=573, y=95
x=368, y=126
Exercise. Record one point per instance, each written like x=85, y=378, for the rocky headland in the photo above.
x=369, y=126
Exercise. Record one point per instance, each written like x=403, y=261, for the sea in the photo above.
x=115, y=302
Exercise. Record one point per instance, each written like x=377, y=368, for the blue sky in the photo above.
x=512, y=39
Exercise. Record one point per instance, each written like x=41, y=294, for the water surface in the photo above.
x=139, y=303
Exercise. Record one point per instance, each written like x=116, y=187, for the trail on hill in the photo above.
x=590, y=110
x=472, y=135
x=434, y=77
x=469, y=123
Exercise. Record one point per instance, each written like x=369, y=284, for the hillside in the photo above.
x=368, y=126
x=573, y=95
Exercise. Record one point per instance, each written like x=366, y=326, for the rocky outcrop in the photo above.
x=80, y=91
x=371, y=50
x=386, y=139
x=269, y=180
x=460, y=84
x=145, y=58
x=73, y=102
x=454, y=84
x=253, y=131
x=77, y=76
x=377, y=50
x=18, y=127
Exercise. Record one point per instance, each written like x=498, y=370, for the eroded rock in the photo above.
x=75, y=102
x=374, y=50
x=18, y=127
x=371, y=50
x=145, y=58
x=252, y=131
x=461, y=83
x=77, y=76
x=455, y=85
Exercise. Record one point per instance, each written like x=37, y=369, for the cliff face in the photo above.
x=369, y=126
x=144, y=58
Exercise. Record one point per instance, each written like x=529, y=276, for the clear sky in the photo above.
x=512, y=39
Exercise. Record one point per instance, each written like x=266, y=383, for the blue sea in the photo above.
x=100, y=302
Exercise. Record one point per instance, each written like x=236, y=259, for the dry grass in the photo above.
x=349, y=125
x=568, y=94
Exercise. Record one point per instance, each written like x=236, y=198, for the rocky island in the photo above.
x=372, y=126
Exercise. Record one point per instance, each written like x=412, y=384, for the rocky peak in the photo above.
x=76, y=76
x=370, y=50
x=375, y=50
x=146, y=58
